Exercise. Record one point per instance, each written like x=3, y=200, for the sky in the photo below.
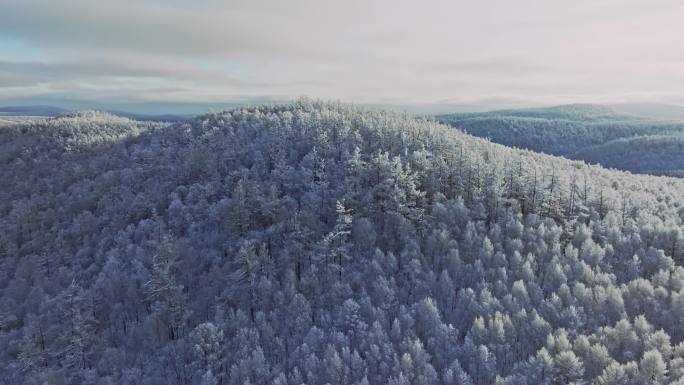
x=488, y=52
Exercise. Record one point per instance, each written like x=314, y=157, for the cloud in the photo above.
x=37, y=72
x=132, y=26
x=398, y=50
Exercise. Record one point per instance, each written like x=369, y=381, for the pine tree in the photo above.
x=336, y=248
x=249, y=267
x=78, y=336
x=167, y=296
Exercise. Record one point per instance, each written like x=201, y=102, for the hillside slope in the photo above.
x=647, y=154
x=320, y=243
x=573, y=130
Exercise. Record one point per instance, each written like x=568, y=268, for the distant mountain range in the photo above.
x=31, y=111
x=651, y=110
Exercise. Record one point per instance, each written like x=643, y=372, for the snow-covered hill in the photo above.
x=322, y=243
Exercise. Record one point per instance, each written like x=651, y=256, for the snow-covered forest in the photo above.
x=318, y=243
x=648, y=154
x=592, y=133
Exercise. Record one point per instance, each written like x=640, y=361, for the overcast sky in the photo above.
x=389, y=51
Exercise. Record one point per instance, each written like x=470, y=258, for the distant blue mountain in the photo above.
x=32, y=111
x=52, y=111
x=152, y=117
x=652, y=110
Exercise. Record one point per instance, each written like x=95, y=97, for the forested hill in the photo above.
x=581, y=132
x=322, y=243
x=648, y=154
